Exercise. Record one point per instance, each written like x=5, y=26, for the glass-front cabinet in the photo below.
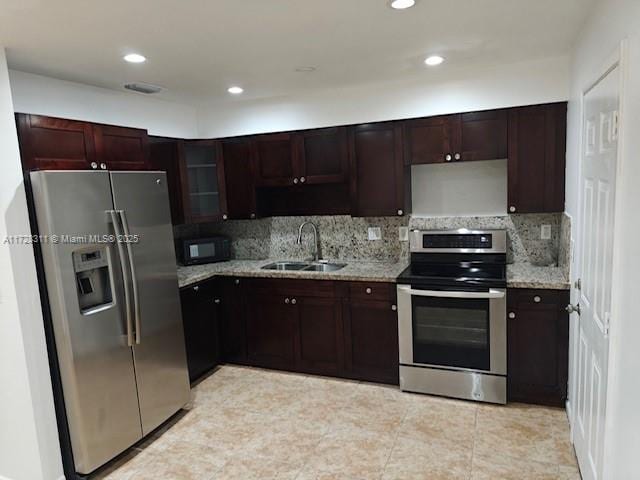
x=203, y=187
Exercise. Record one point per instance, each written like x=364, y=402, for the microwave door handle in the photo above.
x=125, y=278
x=132, y=269
x=451, y=294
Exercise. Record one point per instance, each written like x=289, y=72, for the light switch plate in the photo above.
x=403, y=234
x=374, y=233
x=545, y=232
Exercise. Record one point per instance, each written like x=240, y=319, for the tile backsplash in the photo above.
x=345, y=238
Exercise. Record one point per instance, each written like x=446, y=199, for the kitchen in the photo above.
x=309, y=274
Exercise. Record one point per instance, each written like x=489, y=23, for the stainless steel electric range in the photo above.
x=452, y=315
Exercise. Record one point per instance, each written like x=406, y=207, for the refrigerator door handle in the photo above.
x=123, y=267
x=132, y=268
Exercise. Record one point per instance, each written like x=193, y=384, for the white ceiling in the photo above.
x=197, y=48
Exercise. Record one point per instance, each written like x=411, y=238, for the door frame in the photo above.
x=617, y=59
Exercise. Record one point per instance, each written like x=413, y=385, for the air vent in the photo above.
x=145, y=88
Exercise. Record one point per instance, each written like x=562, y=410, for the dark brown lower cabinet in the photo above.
x=200, y=316
x=271, y=325
x=320, y=334
x=318, y=327
x=233, y=328
x=371, y=340
x=538, y=346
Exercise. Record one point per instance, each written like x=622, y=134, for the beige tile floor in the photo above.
x=247, y=424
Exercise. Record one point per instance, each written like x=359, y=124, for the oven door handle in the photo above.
x=449, y=294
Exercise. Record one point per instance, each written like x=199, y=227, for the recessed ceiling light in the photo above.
x=305, y=69
x=235, y=90
x=402, y=4
x=434, y=60
x=134, y=58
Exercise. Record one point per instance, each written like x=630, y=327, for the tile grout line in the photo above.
x=395, y=442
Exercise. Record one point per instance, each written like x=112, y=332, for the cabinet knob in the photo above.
x=394, y=307
x=225, y=216
x=293, y=301
x=103, y=166
x=457, y=156
x=512, y=315
x=286, y=300
x=512, y=209
x=447, y=157
x=237, y=282
x=295, y=180
x=216, y=301
x=94, y=165
x=302, y=179
x=400, y=212
x=253, y=215
x=368, y=290
x=537, y=299
x=196, y=288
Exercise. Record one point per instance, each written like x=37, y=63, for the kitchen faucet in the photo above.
x=318, y=254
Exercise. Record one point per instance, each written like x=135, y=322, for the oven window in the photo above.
x=451, y=332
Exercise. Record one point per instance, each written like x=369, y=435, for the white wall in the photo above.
x=539, y=81
x=462, y=189
x=612, y=21
x=59, y=98
x=29, y=448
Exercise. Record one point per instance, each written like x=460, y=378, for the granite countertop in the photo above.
x=355, y=270
x=525, y=275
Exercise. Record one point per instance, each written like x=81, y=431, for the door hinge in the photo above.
x=607, y=323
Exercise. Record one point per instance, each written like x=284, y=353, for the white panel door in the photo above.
x=597, y=184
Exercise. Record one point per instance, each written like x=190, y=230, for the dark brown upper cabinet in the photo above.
x=61, y=144
x=274, y=160
x=537, y=158
x=164, y=156
x=429, y=140
x=202, y=181
x=480, y=135
x=121, y=148
x=322, y=156
x=48, y=143
x=461, y=137
x=380, y=183
x=239, y=178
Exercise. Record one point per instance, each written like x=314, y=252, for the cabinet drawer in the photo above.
x=533, y=297
x=384, y=292
x=292, y=287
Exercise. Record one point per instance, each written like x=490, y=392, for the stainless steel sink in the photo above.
x=304, y=266
x=286, y=266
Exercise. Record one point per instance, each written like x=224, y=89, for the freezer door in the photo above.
x=159, y=352
x=85, y=289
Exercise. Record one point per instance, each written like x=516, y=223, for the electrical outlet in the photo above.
x=545, y=232
x=374, y=233
x=403, y=234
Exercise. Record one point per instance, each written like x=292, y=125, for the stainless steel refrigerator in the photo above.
x=110, y=273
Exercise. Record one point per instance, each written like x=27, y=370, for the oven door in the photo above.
x=455, y=329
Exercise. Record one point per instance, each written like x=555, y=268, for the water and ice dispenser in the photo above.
x=93, y=279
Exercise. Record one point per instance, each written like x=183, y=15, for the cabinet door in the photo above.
x=429, y=140
x=480, y=135
x=48, y=143
x=371, y=341
x=163, y=153
x=322, y=155
x=537, y=140
x=274, y=159
x=238, y=169
x=320, y=342
x=233, y=330
x=121, y=148
x=378, y=176
x=538, y=346
x=271, y=331
x=200, y=313
x=202, y=176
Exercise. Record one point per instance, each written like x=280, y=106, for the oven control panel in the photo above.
x=457, y=241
